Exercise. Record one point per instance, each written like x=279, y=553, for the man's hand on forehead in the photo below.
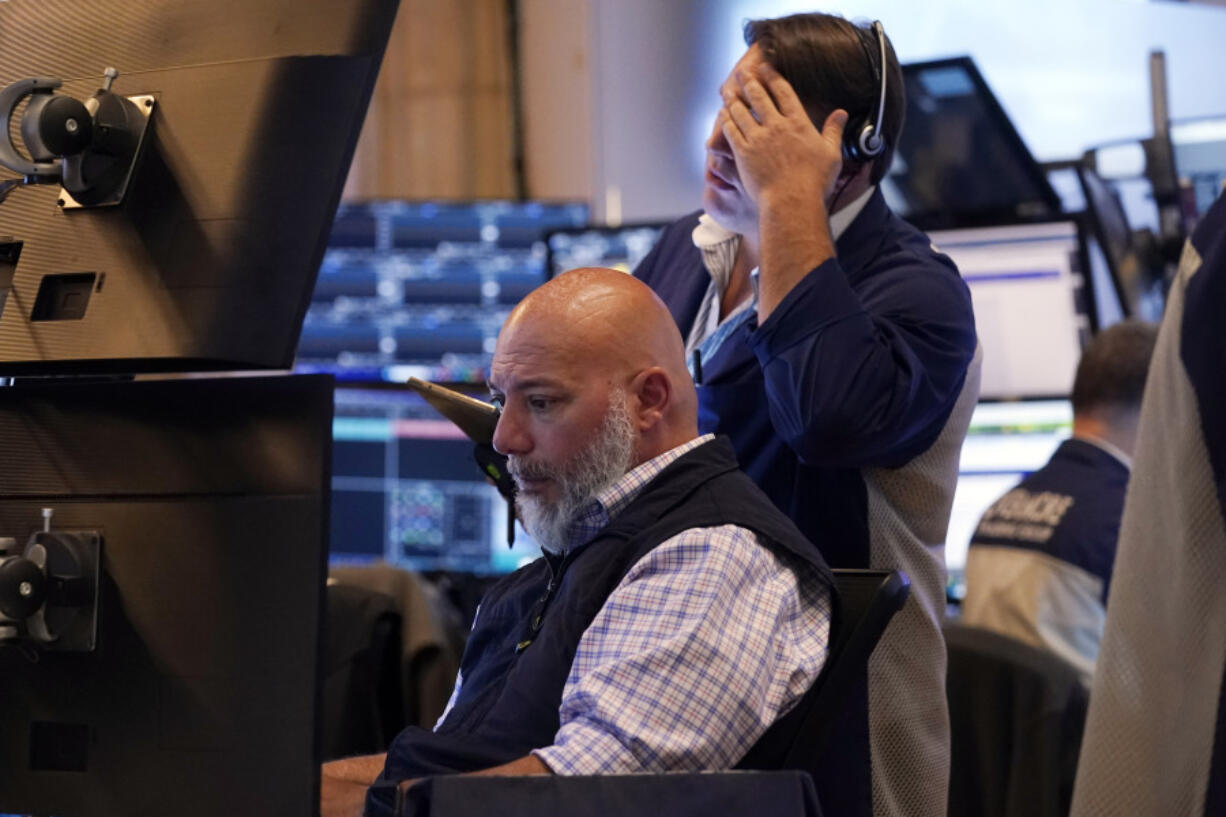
x=790, y=169
x=778, y=150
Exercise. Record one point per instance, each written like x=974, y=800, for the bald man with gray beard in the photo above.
x=675, y=615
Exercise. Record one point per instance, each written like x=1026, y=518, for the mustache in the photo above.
x=521, y=468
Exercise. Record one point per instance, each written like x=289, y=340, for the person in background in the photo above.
x=675, y=614
x=1155, y=735
x=1040, y=562
x=836, y=347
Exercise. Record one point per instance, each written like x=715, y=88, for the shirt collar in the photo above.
x=1113, y=450
x=611, y=501
x=840, y=221
x=719, y=245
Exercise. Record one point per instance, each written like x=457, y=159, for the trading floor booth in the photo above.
x=169, y=215
x=164, y=208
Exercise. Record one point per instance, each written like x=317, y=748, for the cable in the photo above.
x=8, y=186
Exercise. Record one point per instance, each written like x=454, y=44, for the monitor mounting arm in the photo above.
x=49, y=592
x=90, y=148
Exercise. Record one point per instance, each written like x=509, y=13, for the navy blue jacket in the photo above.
x=860, y=365
x=1084, y=528
x=519, y=655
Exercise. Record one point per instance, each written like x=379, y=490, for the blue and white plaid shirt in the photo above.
x=706, y=641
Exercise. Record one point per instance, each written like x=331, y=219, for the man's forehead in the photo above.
x=521, y=360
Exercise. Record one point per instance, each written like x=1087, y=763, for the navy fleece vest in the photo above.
x=520, y=653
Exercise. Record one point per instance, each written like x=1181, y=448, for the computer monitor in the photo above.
x=1006, y=442
x=207, y=263
x=959, y=161
x=406, y=490
x=1200, y=158
x=1138, y=281
x=1029, y=298
x=621, y=247
x=420, y=289
x=201, y=697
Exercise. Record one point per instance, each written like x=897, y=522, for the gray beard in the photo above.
x=592, y=470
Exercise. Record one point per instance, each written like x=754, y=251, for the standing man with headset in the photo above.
x=836, y=347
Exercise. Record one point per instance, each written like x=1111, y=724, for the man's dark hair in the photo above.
x=832, y=63
x=1111, y=374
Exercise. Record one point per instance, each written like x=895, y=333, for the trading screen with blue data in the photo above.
x=406, y=490
x=422, y=288
x=1005, y=443
x=621, y=247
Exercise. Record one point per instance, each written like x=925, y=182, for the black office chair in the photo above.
x=362, y=707
x=833, y=713
x=1016, y=716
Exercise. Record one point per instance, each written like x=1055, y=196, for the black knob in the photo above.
x=23, y=588
x=65, y=126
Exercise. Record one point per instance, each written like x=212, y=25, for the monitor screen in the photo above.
x=201, y=696
x=959, y=161
x=1027, y=293
x=1200, y=159
x=246, y=117
x=616, y=247
x=420, y=289
x=406, y=490
x=1005, y=443
x=1138, y=285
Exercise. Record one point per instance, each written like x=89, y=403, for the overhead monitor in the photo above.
x=1006, y=442
x=200, y=698
x=406, y=490
x=1200, y=159
x=1028, y=295
x=1136, y=279
x=1062, y=176
x=960, y=162
x=420, y=289
x=239, y=118
x=621, y=247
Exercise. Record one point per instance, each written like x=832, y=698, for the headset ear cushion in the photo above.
x=852, y=133
x=870, y=141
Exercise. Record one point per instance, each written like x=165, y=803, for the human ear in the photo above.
x=654, y=391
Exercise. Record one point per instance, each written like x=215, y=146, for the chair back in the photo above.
x=814, y=736
x=362, y=709
x=1016, y=715
x=866, y=601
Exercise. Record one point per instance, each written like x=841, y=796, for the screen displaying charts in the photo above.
x=616, y=247
x=421, y=288
x=1006, y=442
x=1027, y=290
x=406, y=490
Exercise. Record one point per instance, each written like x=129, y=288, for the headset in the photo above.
x=862, y=141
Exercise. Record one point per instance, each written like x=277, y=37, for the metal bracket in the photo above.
x=144, y=103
